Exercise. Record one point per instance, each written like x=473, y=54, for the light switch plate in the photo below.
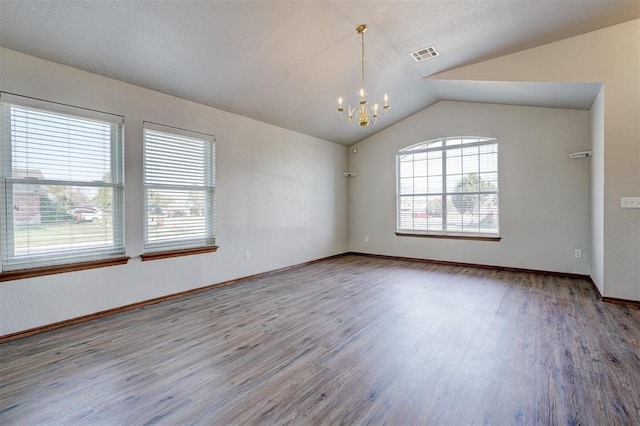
x=630, y=202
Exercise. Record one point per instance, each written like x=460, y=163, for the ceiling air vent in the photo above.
x=424, y=53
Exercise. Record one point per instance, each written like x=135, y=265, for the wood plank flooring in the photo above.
x=351, y=340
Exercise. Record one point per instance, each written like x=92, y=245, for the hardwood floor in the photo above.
x=352, y=340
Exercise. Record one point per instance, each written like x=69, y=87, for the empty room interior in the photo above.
x=320, y=212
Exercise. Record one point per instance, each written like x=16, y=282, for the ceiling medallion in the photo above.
x=363, y=114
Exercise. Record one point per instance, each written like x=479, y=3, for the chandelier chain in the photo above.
x=362, y=34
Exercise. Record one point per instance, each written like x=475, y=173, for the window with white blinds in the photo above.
x=62, y=194
x=449, y=186
x=179, y=181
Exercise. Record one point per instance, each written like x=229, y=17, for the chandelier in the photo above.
x=363, y=114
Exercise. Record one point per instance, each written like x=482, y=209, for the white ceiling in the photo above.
x=286, y=62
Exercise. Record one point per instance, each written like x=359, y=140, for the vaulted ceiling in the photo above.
x=285, y=62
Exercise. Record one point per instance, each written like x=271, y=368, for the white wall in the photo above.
x=544, y=196
x=610, y=56
x=597, y=191
x=276, y=190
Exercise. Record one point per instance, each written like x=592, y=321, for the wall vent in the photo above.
x=424, y=53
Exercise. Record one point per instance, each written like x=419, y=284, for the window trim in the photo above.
x=187, y=248
x=177, y=253
x=71, y=259
x=445, y=234
x=19, y=274
x=449, y=236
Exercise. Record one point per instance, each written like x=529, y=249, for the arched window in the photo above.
x=448, y=186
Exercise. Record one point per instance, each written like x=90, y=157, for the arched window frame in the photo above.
x=448, y=188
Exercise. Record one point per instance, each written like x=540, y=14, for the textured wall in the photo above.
x=276, y=190
x=544, y=196
x=597, y=191
x=617, y=66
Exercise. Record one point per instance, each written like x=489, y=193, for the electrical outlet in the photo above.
x=630, y=202
x=247, y=254
x=577, y=253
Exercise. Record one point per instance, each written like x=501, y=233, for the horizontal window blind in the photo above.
x=449, y=186
x=179, y=179
x=63, y=187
